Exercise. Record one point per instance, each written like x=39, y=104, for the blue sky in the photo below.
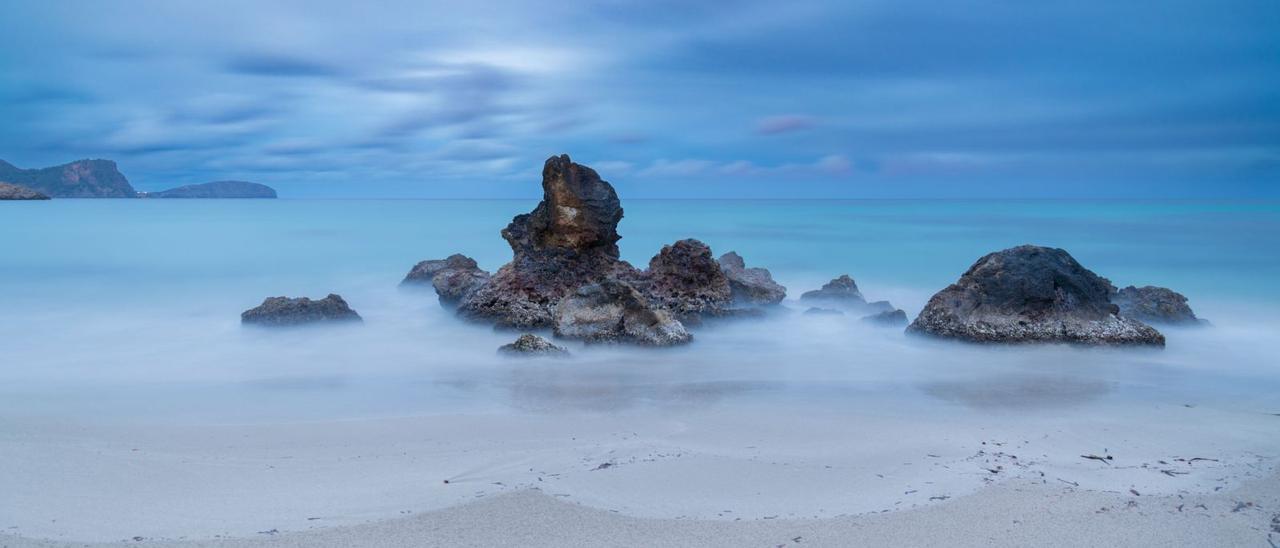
x=846, y=99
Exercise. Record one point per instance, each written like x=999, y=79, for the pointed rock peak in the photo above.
x=578, y=212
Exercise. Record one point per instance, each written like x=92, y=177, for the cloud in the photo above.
x=787, y=123
x=1072, y=97
x=278, y=66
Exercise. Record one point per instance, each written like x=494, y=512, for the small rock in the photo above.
x=285, y=311
x=890, y=318
x=750, y=286
x=1152, y=304
x=530, y=345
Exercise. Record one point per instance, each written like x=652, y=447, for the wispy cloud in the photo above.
x=787, y=123
x=1073, y=98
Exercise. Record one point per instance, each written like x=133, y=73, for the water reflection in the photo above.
x=1018, y=391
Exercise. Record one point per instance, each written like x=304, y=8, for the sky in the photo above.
x=727, y=99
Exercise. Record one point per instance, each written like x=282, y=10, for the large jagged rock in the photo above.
x=569, y=240
x=615, y=312
x=284, y=311
x=1152, y=304
x=454, y=277
x=215, y=189
x=79, y=179
x=684, y=279
x=750, y=286
x=15, y=192
x=1030, y=294
x=530, y=345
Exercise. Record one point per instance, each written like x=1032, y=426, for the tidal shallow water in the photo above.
x=129, y=309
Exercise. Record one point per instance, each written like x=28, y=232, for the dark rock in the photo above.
x=750, y=286
x=567, y=241
x=530, y=345
x=454, y=278
x=841, y=290
x=1030, y=294
x=815, y=311
x=888, y=318
x=216, y=189
x=424, y=272
x=79, y=179
x=15, y=192
x=1152, y=304
x=843, y=293
x=455, y=284
x=614, y=311
x=684, y=279
x=284, y=311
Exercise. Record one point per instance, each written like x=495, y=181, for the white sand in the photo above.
x=684, y=477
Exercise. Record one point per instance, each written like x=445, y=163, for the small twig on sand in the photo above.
x=1071, y=483
x=1105, y=460
x=1173, y=474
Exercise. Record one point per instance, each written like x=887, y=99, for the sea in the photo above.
x=130, y=309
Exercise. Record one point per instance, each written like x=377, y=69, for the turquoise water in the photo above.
x=1209, y=251
x=132, y=306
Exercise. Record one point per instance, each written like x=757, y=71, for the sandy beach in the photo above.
x=1167, y=477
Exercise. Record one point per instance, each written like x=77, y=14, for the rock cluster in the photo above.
x=285, y=311
x=1152, y=304
x=566, y=274
x=15, y=192
x=530, y=345
x=1031, y=294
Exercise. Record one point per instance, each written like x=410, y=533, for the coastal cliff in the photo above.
x=78, y=179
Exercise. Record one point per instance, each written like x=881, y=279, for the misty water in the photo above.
x=130, y=309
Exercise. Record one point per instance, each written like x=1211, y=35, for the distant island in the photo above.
x=102, y=179
x=216, y=189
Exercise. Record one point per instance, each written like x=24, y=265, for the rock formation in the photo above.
x=842, y=293
x=888, y=318
x=216, y=189
x=567, y=241
x=1152, y=304
x=284, y=311
x=750, y=286
x=1030, y=294
x=565, y=272
x=684, y=279
x=614, y=311
x=530, y=345
x=79, y=179
x=15, y=192
x=454, y=278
